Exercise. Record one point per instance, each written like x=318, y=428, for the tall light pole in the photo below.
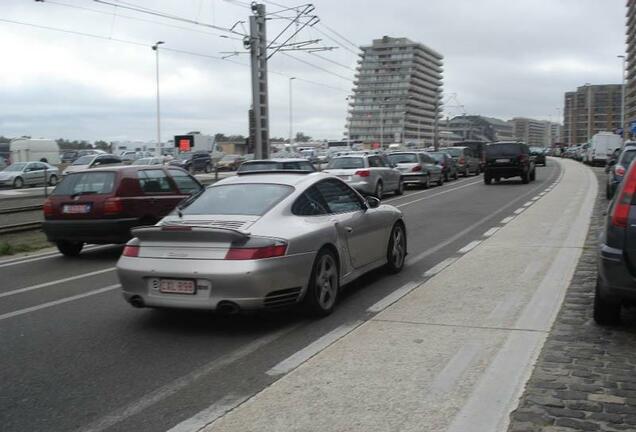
x=159, y=149
x=291, y=128
x=622, y=94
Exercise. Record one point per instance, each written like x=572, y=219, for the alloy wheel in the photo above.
x=399, y=250
x=327, y=282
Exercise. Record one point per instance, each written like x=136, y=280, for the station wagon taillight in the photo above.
x=416, y=168
x=619, y=170
x=113, y=206
x=256, y=253
x=362, y=173
x=620, y=209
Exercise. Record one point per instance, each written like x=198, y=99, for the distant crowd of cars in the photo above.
x=281, y=232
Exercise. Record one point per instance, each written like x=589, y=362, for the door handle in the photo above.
x=349, y=229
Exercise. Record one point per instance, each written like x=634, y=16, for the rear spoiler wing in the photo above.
x=188, y=232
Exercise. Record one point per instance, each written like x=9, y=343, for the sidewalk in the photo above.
x=585, y=377
x=454, y=353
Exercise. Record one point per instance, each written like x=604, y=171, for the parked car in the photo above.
x=149, y=161
x=22, y=174
x=465, y=160
x=262, y=241
x=477, y=148
x=368, y=173
x=92, y=161
x=101, y=205
x=615, y=286
x=449, y=167
x=617, y=170
x=507, y=159
x=538, y=153
x=229, y=162
x=68, y=156
x=193, y=161
x=260, y=165
x=417, y=168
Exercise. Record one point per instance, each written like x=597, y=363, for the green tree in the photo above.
x=301, y=137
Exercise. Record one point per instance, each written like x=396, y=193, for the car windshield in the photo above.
x=627, y=157
x=398, y=158
x=438, y=156
x=536, y=149
x=229, y=157
x=346, y=163
x=508, y=149
x=454, y=151
x=143, y=161
x=259, y=166
x=84, y=160
x=253, y=199
x=15, y=167
x=86, y=183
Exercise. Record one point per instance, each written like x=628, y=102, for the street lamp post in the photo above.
x=622, y=94
x=291, y=129
x=159, y=149
x=381, y=126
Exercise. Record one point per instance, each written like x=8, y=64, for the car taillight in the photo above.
x=461, y=161
x=620, y=210
x=131, y=251
x=256, y=253
x=113, y=206
x=619, y=170
x=48, y=208
x=522, y=157
x=416, y=168
x=362, y=173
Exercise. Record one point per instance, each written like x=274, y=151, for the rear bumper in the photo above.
x=250, y=284
x=363, y=187
x=615, y=280
x=503, y=171
x=100, y=231
x=414, y=178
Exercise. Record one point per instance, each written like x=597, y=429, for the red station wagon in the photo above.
x=101, y=205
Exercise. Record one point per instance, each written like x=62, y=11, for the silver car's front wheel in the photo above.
x=396, y=250
x=323, y=286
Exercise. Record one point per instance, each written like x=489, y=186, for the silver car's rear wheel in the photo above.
x=396, y=250
x=323, y=286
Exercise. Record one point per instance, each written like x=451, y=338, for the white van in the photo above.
x=601, y=147
x=29, y=150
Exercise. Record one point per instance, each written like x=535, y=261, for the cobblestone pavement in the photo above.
x=585, y=376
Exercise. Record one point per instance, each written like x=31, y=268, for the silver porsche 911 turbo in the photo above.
x=262, y=240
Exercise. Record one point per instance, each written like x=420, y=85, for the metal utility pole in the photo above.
x=258, y=54
x=159, y=149
x=381, y=126
x=623, y=95
x=436, y=126
x=291, y=118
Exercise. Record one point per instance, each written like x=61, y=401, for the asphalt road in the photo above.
x=75, y=356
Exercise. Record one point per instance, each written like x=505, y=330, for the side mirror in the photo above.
x=612, y=162
x=373, y=202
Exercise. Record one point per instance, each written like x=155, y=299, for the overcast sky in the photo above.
x=502, y=58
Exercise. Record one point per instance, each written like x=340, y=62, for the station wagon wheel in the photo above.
x=400, y=189
x=52, y=180
x=379, y=190
x=322, y=291
x=396, y=249
x=427, y=183
x=18, y=183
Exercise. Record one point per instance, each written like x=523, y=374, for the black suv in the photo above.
x=193, y=161
x=508, y=159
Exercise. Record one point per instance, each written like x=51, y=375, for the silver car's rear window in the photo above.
x=84, y=160
x=403, y=158
x=252, y=199
x=346, y=163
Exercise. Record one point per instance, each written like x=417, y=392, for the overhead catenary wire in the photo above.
x=129, y=17
x=148, y=45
